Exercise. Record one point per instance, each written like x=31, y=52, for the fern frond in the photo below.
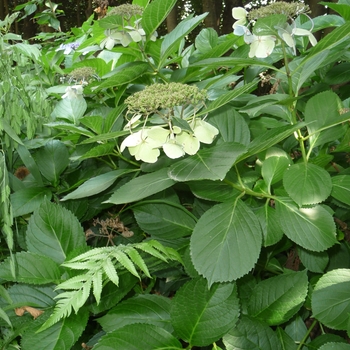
x=110, y=271
x=125, y=261
x=97, y=281
x=137, y=260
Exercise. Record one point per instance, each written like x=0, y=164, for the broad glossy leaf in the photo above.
x=138, y=336
x=311, y=228
x=52, y=160
x=155, y=13
x=313, y=261
x=98, y=151
x=71, y=109
x=307, y=183
x=164, y=220
x=96, y=184
x=286, y=341
x=26, y=200
x=142, y=187
x=251, y=334
x=276, y=299
x=70, y=127
x=341, y=188
x=231, y=125
x=342, y=8
x=273, y=168
x=124, y=74
x=54, y=231
x=296, y=329
x=228, y=234
x=201, y=315
x=339, y=74
x=144, y=308
x=331, y=300
x=61, y=336
x=208, y=164
x=206, y=39
x=30, y=268
x=172, y=40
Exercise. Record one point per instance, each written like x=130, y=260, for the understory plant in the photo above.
x=158, y=193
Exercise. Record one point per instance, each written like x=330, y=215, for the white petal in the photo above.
x=189, y=142
x=157, y=136
x=302, y=32
x=145, y=153
x=288, y=39
x=173, y=150
x=132, y=140
x=312, y=39
x=205, y=132
x=239, y=13
x=262, y=47
x=135, y=36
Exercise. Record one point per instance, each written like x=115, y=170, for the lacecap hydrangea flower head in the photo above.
x=171, y=108
x=262, y=46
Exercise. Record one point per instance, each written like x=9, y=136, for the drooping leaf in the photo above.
x=193, y=308
x=149, y=337
x=276, y=299
x=96, y=184
x=252, y=334
x=164, y=220
x=228, y=234
x=30, y=268
x=142, y=187
x=341, y=188
x=150, y=309
x=52, y=160
x=307, y=183
x=331, y=301
x=311, y=228
x=54, y=231
x=155, y=13
x=27, y=200
x=71, y=109
x=313, y=261
x=61, y=336
x=208, y=164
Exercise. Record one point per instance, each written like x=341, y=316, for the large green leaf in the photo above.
x=201, y=315
x=313, y=261
x=155, y=13
x=335, y=346
x=172, y=40
x=52, y=160
x=208, y=164
x=61, y=336
x=30, y=268
x=312, y=228
x=71, y=109
x=124, y=74
x=275, y=300
x=307, y=183
x=54, y=231
x=273, y=168
x=270, y=138
x=138, y=336
x=96, y=184
x=341, y=188
x=142, y=187
x=164, y=220
x=228, y=234
x=271, y=229
x=231, y=125
x=148, y=308
x=331, y=299
x=251, y=334
x=218, y=191
x=26, y=200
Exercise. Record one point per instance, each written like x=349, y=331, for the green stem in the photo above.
x=303, y=341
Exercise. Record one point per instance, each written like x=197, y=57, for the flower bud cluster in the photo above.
x=126, y=11
x=167, y=102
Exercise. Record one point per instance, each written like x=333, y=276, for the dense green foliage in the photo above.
x=160, y=195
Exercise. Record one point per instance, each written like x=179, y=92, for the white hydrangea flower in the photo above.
x=188, y=142
x=75, y=91
x=204, y=131
x=173, y=150
x=240, y=15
